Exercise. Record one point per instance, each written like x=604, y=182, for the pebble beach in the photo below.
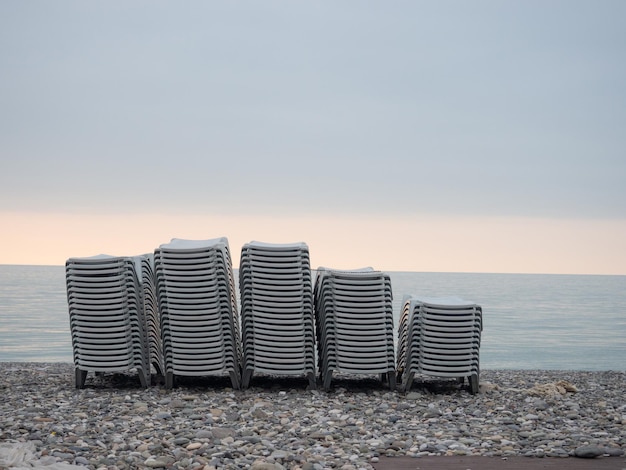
x=278, y=424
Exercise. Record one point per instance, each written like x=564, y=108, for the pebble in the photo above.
x=114, y=424
x=589, y=452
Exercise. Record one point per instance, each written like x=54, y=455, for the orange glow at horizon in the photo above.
x=391, y=243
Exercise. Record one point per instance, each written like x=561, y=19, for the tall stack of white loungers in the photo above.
x=145, y=265
x=354, y=320
x=439, y=337
x=198, y=306
x=107, y=321
x=278, y=336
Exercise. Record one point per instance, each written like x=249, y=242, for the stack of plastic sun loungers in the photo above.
x=197, y=302
x=278, y=335
x=354, y=320
x=106, y=317
x=145, y=265
x=439, y=337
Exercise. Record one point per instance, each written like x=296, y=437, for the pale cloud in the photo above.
x=426, y=243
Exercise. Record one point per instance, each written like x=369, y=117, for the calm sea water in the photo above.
x=568, y=322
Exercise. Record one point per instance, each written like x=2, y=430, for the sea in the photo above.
x=530, y=321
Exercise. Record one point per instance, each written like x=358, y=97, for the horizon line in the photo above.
x=396, y=271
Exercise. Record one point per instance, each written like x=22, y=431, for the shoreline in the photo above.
x=203, y=424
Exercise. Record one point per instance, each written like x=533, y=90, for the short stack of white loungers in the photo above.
x=107, y=322
x=439, y=337
x=278, y=335
x=354, y=324
x=145, y=265
x=198, y=306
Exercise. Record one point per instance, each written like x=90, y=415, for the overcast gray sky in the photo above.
x=455, y=108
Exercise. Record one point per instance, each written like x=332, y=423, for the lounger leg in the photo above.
x=327, y=379
x=409, y=382
x=312, y=381
x=474, y=384
x=80, y=376
x=234, y=380
x=245, y=380
x=169, y=380
x=143, y=379
x=392, y=380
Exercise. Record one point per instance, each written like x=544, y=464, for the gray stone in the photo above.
x=204, y=434
x=589, y=452
x=221, y=433
x=265, y=466
x=177, y=404
x=155, y=463
x=279, y=455
x=432, y=413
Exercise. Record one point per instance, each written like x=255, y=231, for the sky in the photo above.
x=449, y=136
